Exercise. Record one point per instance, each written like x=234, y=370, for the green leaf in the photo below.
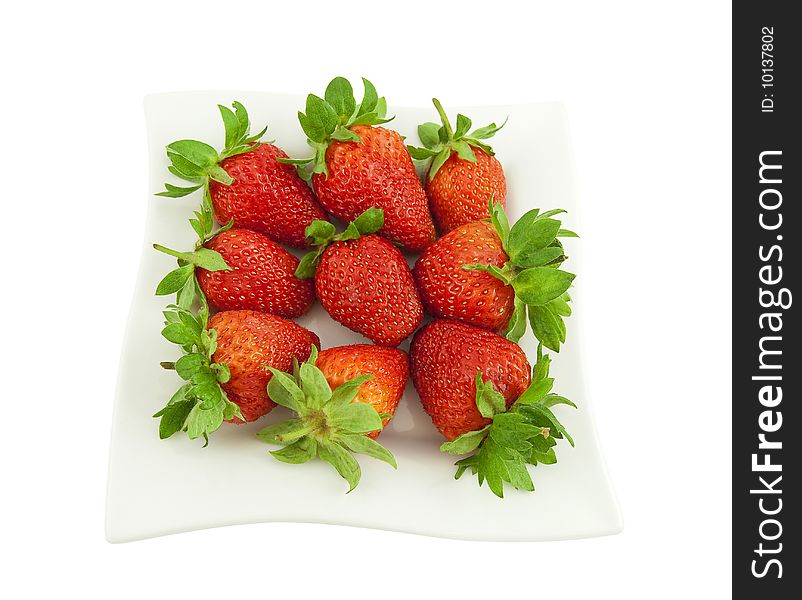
x=467, y=442
x=552, y=419
x=362, y=444
x=232, y=411
x=511, y=442
x=223, y=372
x=197, y=153
x=552, y=212
x=346, y=393
x=420, y=153
x=307, y=265
x=567, y=233
x=438, y=162
x=500, y=223
x=532, y=257
x=541, y=370
x=463, y=126
x=495, y=271
x=203, y=421
x=219, y=174
x=298, y=452
x=191, y=323
x=276, y=433
x=560, y=306
x=320, y=119
x=518, y=234
x=283, y=390
x=536, y=391
x=381, y=108
x=540, y=285
x=517, y=324
x=345, y=135
x=189, y=364
x=489, y=401
x=319, y=232
x=174, y=280
x=488, y=131
x=369, y=99
x=173, y=191
x=231, y=124
x=356, y=417
x=340, y=95
x=554, y=399
x=548, y=327
x=366, y=119
x=178, y=333
x=185, y=169
x=210, y=260
x=186, y=295
x=314, y=385
x=339, y=458
x=524, y=243
x=464, y=151
x=428, y=134
x=370, y=221
x=173, y=417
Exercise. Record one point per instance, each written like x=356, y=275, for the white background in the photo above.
x=648, y=92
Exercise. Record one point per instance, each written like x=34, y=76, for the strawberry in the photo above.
x=246, y=183
x=490, y=275
x=362, y=280
x=389, y=367
x=357, y=165
x=463, y=171
x=445, y=357
x=261, y=276
x=248, y=341
x=224, y=364
x=476, y=387
x=449, y=291
x=333, y=419
x=239, y=269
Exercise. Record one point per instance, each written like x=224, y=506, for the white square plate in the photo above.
x=158, y=487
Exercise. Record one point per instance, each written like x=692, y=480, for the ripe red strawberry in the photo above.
x=334, y=418
x=475, y=385
x=488, y=275
x=247, y=342
x=449, y=291
x=225, y=366
x=246, y=182
x=363, y=281
x=389, y=367
x=445, y=358
x=463, y=173
x=261, y=276
x=358, y=165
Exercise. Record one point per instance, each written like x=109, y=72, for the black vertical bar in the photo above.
x=766, y=361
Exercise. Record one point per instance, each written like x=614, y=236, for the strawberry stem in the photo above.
x=175, y=253
x=444, y=118
x=295, y=435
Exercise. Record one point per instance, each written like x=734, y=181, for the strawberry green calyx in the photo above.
x=322, y=234
x=533, y=270
x=199, y=406
x=525, y=434
x=198, y=162
x=329, y=425
x=330, y=118
x=439, y=141
x=182, y=281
